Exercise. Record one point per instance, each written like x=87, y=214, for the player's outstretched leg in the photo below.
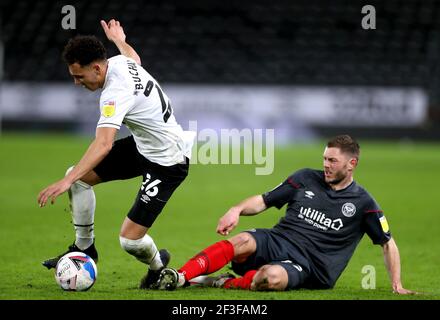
x=82, y=205
x=171, y=279
x=212, y=281
x=209, y=260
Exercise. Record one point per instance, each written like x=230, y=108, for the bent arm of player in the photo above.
x=392, y=263
x=248, y=207
x=115, y=33
x=276, y=197
x=96, y=152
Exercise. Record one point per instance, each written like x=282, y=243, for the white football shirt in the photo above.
x=131, y=96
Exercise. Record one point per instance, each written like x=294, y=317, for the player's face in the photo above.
x=88, y=76
x=338, y=166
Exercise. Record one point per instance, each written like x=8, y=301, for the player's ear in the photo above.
x=96, y=68
x=353, y=162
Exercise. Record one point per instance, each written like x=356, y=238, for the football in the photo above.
x=76, y=271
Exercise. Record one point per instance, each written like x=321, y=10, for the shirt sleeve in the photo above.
x=283, y=193
x=114, y=106
x=376, y=225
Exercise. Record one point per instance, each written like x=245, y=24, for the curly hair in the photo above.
x=346, y=143
x=84, y=50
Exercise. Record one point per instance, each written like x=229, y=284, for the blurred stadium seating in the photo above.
x=241, y=42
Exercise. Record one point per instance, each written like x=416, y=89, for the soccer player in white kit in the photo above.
x=158, y=149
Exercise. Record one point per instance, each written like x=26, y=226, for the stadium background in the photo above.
x=305, y=68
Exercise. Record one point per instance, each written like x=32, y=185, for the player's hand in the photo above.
x=404, y=291
x=401, y=290
x=53, y=191
x=229, y=221
x=113, y=30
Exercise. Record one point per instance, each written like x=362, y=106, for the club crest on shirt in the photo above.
x=348, y=209
x=108, y=110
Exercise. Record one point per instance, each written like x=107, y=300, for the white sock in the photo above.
x=143, y=249
x=82, y=203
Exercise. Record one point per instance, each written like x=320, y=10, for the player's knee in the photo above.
x=241, y=240
x=269, y=277
x=244, y=244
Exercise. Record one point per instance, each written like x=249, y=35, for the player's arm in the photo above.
x=96, y=152
x=248, y=207
x=115, y=33
x=276, y=197
x=377, y=228
x=392, y=263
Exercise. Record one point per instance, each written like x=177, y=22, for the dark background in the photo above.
x=245, y=42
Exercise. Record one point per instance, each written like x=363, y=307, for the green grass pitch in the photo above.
x=403, y=177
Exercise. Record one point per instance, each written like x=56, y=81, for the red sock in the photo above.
x=209, y=260
x=242, y=282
